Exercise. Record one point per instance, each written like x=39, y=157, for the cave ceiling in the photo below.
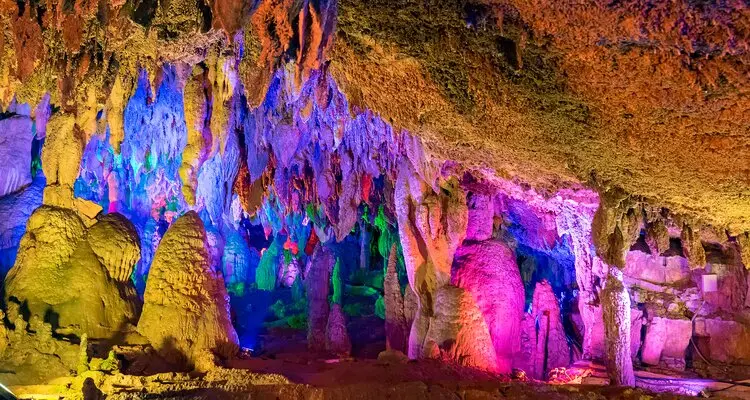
x=647, y=97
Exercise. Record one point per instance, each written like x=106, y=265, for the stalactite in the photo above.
x=743, y=241
x=657, y=236
x=615, y=228
x=692, y=247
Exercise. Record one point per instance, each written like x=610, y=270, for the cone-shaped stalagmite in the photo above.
x=186, y=306
x=488, y=271
x=317, y=287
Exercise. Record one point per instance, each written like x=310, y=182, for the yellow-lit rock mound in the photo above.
x=186, y=306
x=74, y=279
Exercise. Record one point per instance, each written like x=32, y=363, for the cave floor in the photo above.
x=297, y=375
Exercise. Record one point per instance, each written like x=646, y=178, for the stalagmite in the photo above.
x=614, y=229
x=616, y=304
x=552, y=350
x=92, y=266
x=186, y=307
x=61, y=157
x=488, y=271
x=337, y=338
x=158, y=156
x=429, y=242
x=317, y=287
x=396, y=327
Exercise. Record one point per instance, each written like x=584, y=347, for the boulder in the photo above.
x=666, y=339
x=186, y=306
x=656, y=269
x=488, y=271
x=728, y=341
x=79, y=283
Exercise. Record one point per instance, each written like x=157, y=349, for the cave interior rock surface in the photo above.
x=497, y=185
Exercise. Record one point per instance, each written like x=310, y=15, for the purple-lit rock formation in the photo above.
x=337, y=338
x=488, y=271
x=15, y=152
x=549, y=344
x=667, y=340
x=317, y=287
x=186, y=307
x=491, y=184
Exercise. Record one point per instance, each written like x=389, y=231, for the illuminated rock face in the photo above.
x=157, y=167
x=550, y=348
x=396, y=324
x=186, y=307
x=15, y=151
x=76, y=278
x=488, y=271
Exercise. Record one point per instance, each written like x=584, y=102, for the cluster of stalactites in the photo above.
x=622, y=218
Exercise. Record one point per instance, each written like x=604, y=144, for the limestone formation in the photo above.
x=484, y=131
x=481, y=215
x=488, y=272
x=458, y=332
x=617, y=325
x=79, y=283
x=692, y=247
x=552, y=349
x=33, y=355
x=115, y=242
x=317, y=288
x=186, y=307
x=16, y=208
x=61, y=158
x=16, y=136
x=657, y=236
x=337, y=338
x=396, y=327
x=743, y=242
x=667, y=340
x=431, y=228
x=3, y=334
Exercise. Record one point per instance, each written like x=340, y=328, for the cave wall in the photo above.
x=248, y=134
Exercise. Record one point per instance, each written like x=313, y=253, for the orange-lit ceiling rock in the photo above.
x=651, y=98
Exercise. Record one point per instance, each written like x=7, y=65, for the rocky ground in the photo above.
x=307, y=378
